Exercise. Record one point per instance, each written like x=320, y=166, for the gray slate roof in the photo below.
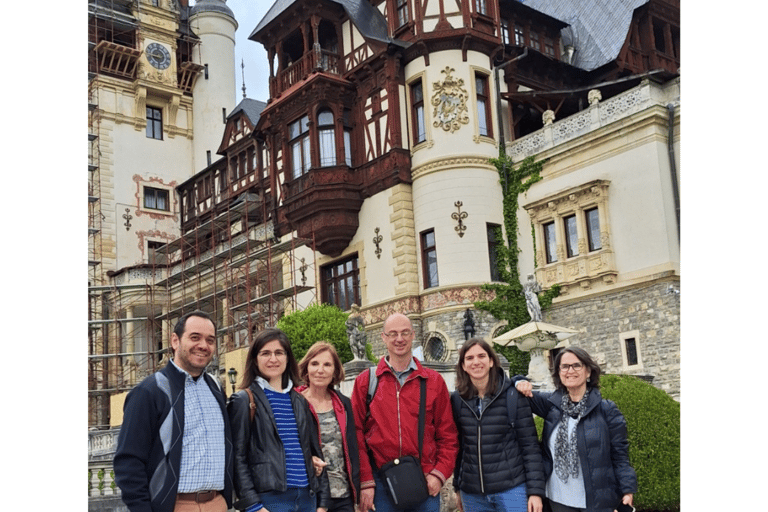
x=598, y=28
x=368, y=19
x=252, y=108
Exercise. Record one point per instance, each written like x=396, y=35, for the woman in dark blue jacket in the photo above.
x=586, y=452
x=499, y=465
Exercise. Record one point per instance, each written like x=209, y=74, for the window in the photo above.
x=481, y=7
x=402, y=12
x=341, y=283
x=550, y=242
x=429, y=259
x=549, y=46
x=435, y=349
x=535, y=44
x=417, y=107
x=327, y=138
x=154, y=257
x=154, y=123
x=571, y=236
x=505, y=32
x=299, y=135
x=483, y=106
x=494, y=240
x=348, y=137
x=630, y=350
x=593, y=229
x=519, y=35
x=156, y=199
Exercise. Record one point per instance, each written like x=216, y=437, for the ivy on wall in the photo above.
x=508, y=302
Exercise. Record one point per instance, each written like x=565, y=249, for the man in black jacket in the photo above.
x=174, y=451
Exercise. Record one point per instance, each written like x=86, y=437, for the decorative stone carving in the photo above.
x=450, y=102
x=594, y=96
x=548, y=117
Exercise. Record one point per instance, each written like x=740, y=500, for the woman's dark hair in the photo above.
x=316, y=349
x=586, y=360
x=463, y=383
x=252, y=365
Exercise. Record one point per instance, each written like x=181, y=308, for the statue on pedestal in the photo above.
x=469, y=325
x=531, y=289
x=356, y=333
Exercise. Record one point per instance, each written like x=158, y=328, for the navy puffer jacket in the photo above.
x=495, y=456
x=602, y=443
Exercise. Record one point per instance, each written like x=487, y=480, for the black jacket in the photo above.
x=602, y=443
x=148, y=455
x=259, y=457
x=495, y=456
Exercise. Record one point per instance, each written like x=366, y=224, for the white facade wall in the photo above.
x=217, y=50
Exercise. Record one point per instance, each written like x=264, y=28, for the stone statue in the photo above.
x=469, y=324
x=356, y=333
x=531, y=299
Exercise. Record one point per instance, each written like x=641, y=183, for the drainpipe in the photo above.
x=672, y=167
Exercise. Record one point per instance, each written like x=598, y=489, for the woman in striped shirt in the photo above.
x=274, y=434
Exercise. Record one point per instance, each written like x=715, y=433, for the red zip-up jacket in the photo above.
x=391, y=429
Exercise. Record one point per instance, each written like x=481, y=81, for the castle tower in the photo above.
x=214, y=23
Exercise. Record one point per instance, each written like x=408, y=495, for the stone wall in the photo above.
x=650, y=314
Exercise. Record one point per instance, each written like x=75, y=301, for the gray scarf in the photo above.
x=566, y=453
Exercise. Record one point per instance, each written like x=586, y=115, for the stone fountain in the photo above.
x=536, y=337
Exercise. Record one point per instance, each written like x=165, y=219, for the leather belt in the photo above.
x=197, y=497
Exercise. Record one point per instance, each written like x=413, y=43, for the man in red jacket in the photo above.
x=391, y=429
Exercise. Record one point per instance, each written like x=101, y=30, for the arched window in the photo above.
x=326, y=133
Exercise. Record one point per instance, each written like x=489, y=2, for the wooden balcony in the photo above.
x=313, y=62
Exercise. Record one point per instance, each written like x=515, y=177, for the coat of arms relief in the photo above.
x=450, y=102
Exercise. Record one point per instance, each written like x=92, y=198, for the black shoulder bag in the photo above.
x=403, y=476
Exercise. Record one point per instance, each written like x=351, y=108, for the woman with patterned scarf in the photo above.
x=585, y=446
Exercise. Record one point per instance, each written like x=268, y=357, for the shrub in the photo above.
x=317, y=322
x=653, y=429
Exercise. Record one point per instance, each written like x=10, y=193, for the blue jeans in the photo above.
x=511, y=500
x=292, y=500
x=383, y=502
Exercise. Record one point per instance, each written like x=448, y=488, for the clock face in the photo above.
x=158, y=55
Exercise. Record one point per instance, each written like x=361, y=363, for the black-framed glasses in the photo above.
x=266, y=354
x=577, y=367
x=407, y=333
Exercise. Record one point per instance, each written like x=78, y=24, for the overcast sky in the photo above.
x=248, y=14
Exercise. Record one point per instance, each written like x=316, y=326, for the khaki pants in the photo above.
x=217, y=504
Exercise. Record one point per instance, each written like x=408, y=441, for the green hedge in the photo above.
x=319, y=322
x=653, y=428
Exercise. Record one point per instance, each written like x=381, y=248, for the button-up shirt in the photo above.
x=203, y=457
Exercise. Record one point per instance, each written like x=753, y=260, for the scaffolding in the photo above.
x=226, y=261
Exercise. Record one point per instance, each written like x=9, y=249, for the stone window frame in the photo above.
x=623, y=337
x=586, y=269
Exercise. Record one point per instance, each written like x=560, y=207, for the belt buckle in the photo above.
x=199, y=494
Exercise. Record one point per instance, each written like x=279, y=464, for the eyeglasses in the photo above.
x=575, y=367
x=394, y=334
x=266, y=354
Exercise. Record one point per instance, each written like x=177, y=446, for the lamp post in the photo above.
x=232, y=374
